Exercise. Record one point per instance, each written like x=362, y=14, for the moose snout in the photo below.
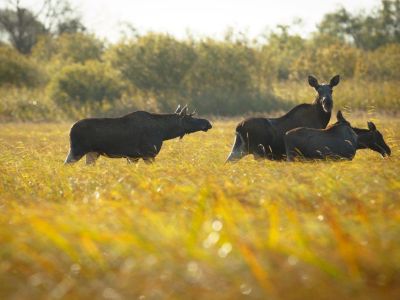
x=327, y=104
x=387, y=152
x=207, y=126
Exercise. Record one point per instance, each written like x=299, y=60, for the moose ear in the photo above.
x=313, y=81
x=340, y=117
x=371, y=126
x=178, y=109
x=334, y=81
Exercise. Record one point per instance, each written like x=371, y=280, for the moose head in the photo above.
x=324, y=91
x=188, y=123
x=372, y=139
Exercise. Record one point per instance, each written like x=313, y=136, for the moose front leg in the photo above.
x=131, y=160
x=150, y=151
x=149, y=160
x=91, y=158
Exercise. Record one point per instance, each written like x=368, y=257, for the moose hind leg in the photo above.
x=91, y=158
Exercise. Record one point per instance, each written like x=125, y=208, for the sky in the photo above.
x=210, y=18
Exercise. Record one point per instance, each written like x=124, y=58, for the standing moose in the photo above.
x=136, y=135
x=263, y=137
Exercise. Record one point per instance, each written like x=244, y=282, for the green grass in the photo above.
x=190, y=227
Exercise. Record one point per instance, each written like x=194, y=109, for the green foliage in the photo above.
x=279, y=53
x=153, y=63
x=325, y=61
x=21, y=27
x=88, y=84
x=381, y=64
x=18, y=70
x=230, y=77
x=69, y=48
x=220, y=81
x=367, y=31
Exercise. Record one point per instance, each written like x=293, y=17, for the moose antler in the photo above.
x=184, y=110
x=178, y=109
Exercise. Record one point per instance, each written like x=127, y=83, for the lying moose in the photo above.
x=263, y=137
x=136, y=135
x=338, y=141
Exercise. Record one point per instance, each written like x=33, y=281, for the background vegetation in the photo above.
x=60, y=71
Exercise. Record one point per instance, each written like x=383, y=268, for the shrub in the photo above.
x=153, y=63
x=327, y=61
x=381, y=64
x=221, y=79
x=89, y=84
x=69, y=47
x=16, y=69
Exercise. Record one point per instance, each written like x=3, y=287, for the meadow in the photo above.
x=191, y=227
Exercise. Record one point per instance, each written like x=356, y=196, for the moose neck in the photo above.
x=171, y=127
x=363, y=137
x=322, y=114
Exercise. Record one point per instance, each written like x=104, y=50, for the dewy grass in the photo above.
x=191, y=227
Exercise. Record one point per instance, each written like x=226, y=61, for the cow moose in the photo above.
x=372, y=139
x=338, y=141
x=138, y=135
x=264, y=137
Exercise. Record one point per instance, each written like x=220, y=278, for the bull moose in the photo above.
x=263, y=137
x=338, y=141
x=134, y=136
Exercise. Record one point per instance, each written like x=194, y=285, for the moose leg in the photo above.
x=91, y=158
x=238, y=149
x=131, y=160
x=72, y=158
x=149, y=160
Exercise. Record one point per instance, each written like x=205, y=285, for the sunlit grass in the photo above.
x=191, y=227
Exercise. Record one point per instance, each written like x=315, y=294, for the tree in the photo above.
x=22, y=26
x=367, y=31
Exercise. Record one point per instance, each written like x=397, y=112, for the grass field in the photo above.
x=190, y=227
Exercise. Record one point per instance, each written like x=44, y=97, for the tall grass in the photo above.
x=190, y=227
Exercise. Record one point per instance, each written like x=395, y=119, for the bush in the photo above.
x=69, y=47
x=89, y=85
x=381, y=64
x=221, y=79
x=16, y=69
x=153, y=63
x=326, y=61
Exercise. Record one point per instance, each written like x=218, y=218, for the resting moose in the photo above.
x=263, y=137
x=372, y=139
x=137, y=135
x=338, y=141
